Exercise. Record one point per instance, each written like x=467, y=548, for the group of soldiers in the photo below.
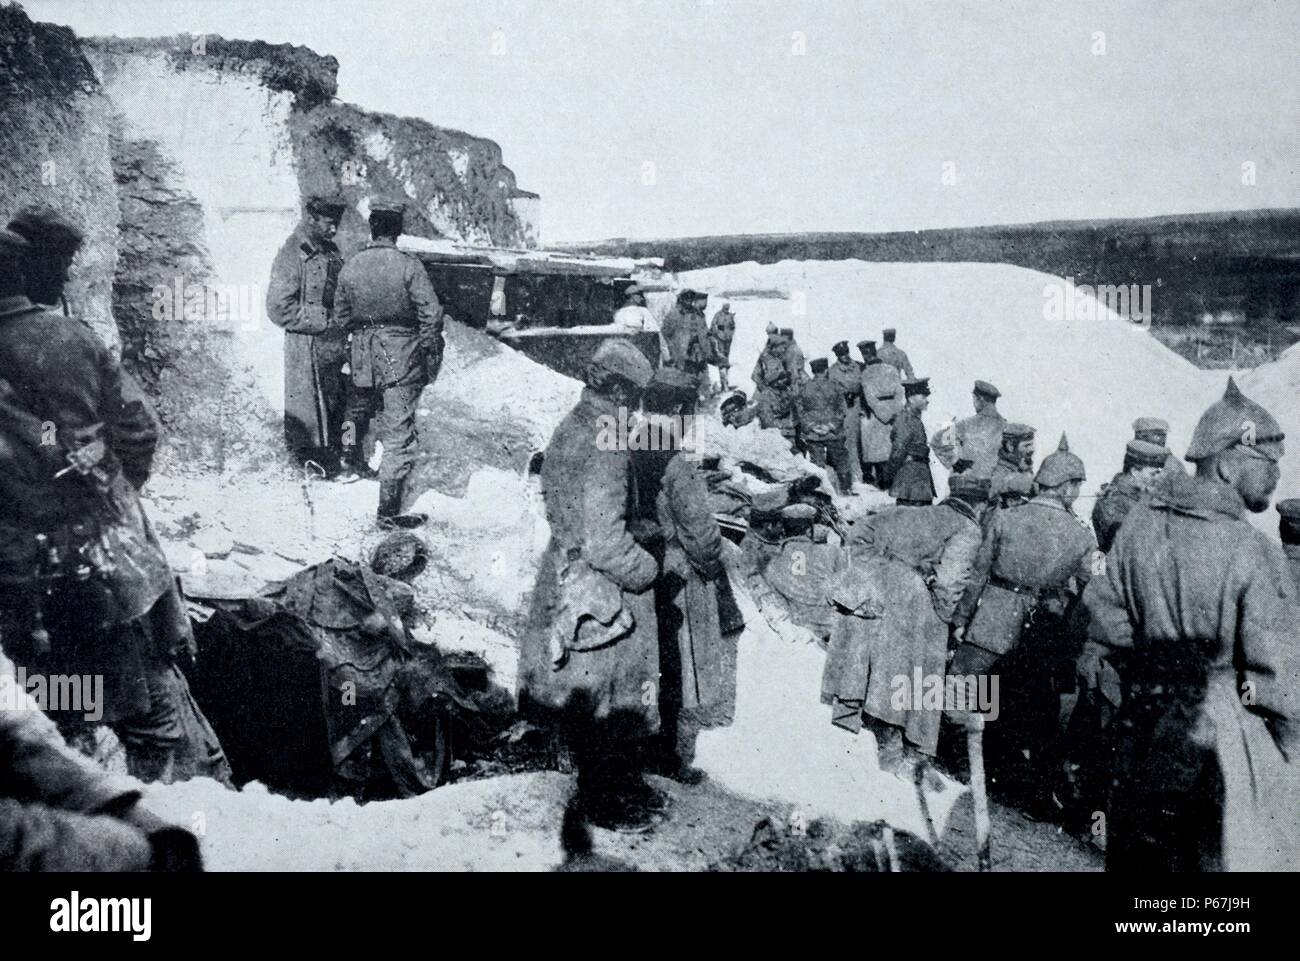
x=363, y=338
x=1146, y=679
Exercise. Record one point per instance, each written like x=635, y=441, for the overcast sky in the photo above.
x=778, y=115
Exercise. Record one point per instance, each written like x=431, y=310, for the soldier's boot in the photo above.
x=390, y=515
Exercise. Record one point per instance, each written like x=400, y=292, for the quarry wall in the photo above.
x=186, y=161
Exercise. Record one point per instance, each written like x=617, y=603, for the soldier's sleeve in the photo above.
x=1106, y=600
x=907, y=367
x=1269, y=656
x=344, y=315
x=429, y=312
x=608, y=544
x=34, y=837
x=283, y=293
x=897, y=449
x=697, y=530
x=757, y=375
x=132, y=429
x=955, y=572
x=981, y=564
x=38, y=766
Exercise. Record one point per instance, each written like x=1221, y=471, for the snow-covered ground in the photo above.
x=958, y=322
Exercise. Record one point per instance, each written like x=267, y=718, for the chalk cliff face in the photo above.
x=186, y=161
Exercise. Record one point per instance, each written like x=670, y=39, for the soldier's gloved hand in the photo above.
x=88, y=456
x=174, y=849
x=1089, y=668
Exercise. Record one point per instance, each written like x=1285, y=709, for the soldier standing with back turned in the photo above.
x=385, y=300
x=1198, y=613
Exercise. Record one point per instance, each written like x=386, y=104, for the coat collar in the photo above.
x=961, y=507
x=311, y=247
x=1197, y=497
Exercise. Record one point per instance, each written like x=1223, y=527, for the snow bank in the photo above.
x=1277, y=386
x=508, y=823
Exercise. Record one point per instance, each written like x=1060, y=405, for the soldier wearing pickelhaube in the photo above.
x=1198, y=613
x=1031, y=567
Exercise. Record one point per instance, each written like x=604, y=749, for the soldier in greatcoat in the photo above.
x=882, y=395
x=1198, y=612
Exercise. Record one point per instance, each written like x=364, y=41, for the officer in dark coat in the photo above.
x=300, y=300
x=819, y=411
x=85, y=588
x=910, y=481
x=846, y=374
x=1198, y=613
x=1143, y=463
x=1289, y=530
x=386, y=302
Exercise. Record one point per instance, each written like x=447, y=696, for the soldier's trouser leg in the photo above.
x=838, y=457
x=816, y=452
x=853, y=443
x=396, y=424
x=334, y=389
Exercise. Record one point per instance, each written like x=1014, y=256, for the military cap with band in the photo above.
x=326, y=205
x=12, y=243
x=985, y=389
x=393, y=207
x=968, y=485
x=787, y=332
x=916, y=385
x=1232, y=421
x=1060, y=467
x=1142, y=453
x=1150, y=425
x=618, y=356
x=44, y=229
x=819, y=365
x=866, y=345
x=1017, y=432
x=888, y=332
x=1289, y=511
x=841, y=348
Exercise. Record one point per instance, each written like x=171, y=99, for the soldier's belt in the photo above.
x=1014, y=588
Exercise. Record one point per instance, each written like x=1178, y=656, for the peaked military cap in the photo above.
x=787, y=332
x=841, y=348
x=968, y=485
x=986, y=389
x=916, y=385
x=12, y=243
x=889, y=333
x=44, y=229
x=1143, y=453
x=1060, y=467
x=1150, y=425
x=326, y=205
x=1289, y=526
x=387, y=207
x=1017, y=432
x=1235, y=420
